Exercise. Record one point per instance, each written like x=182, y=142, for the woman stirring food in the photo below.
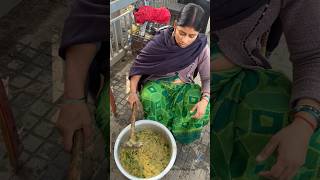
x=163, y=73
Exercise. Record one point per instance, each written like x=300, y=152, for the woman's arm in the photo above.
x=303, y=39
x=133, y=96
x=134, y=83
x=74, y=116
x=204, y=71
x=78, y=60
x=85, y=25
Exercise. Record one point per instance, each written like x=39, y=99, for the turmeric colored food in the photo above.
x=148, y=160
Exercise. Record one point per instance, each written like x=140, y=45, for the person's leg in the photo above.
x=155, y=102
x=250, y=107
x=310, y=170
x=185, y=128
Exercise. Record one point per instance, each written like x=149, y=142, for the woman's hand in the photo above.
x=291, y=144
x=76, y=116
x=201, y=109
x=71, y=118
x=133, y=98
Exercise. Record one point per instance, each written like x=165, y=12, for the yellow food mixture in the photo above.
x=148, y=160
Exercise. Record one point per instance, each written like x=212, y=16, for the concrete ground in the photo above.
x=280, y=59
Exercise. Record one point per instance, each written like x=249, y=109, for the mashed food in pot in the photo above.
x=148, y=160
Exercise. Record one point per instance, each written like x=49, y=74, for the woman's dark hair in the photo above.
x=191, y=15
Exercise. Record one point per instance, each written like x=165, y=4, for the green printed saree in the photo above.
x=248, y=107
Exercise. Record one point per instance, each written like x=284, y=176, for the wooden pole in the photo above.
x=113, y=103
x=76, y=156
x=9, y=130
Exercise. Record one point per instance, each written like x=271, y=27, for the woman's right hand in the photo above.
x=71, y=118
x=133, y=98
x=291, y=145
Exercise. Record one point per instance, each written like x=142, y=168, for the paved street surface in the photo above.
x=280, y=59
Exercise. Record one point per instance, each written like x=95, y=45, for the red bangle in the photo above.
x=306, y=120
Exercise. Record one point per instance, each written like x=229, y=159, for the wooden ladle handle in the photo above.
x=76, y=156
x=133, y=120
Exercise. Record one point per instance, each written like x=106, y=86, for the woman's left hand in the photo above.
x=291, y=144
x=201, y=109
